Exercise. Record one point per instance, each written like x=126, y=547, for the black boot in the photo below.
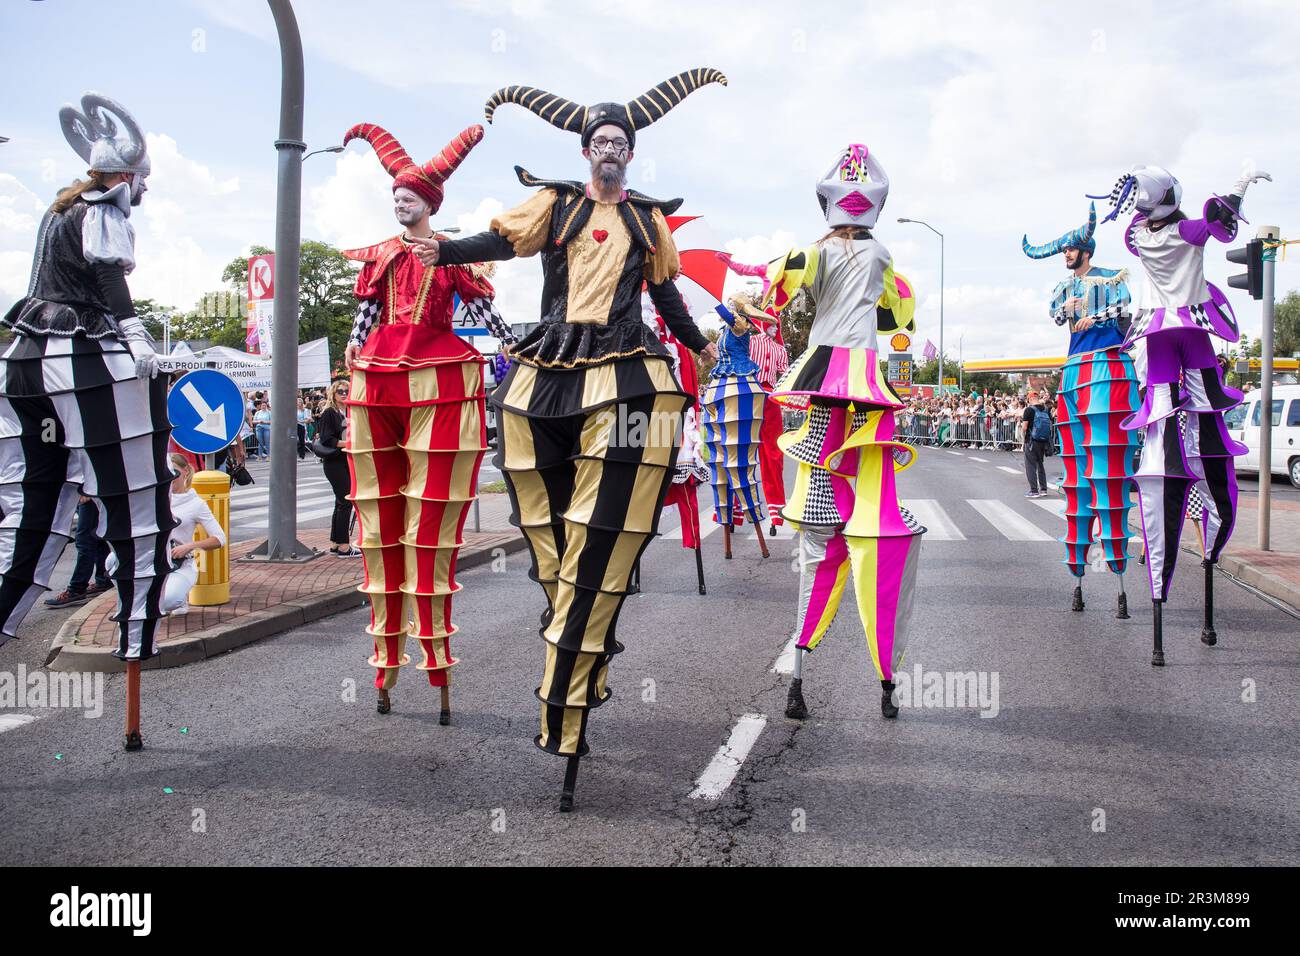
x=887, y=706
x=1122, y=613
x=794, y=706
x=384, y=705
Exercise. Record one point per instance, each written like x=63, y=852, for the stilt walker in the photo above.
x=590, y=413
x=82, y=411
x=691, y=471
x=417, y=420
x=844, y=502
x=1098, y=391
x=1179, y=372
x=733, y=419
x=773, y=359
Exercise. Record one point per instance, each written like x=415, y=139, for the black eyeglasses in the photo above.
x=600, y=144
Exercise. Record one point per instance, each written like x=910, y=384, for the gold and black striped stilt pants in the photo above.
x=586, y=489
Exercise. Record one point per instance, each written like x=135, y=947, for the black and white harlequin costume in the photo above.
x=81, y=411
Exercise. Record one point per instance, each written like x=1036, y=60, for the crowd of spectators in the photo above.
x=973, y=420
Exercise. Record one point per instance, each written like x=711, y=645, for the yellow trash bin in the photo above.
x=213, y=586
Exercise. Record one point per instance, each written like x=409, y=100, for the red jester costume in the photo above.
x=416, y=415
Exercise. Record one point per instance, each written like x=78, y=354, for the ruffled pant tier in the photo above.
x=845, y=501
x=732, y=416
x=1183, y=385
x=417, y=439
x=1098, y=392
x=75, y=420
x=587, y=454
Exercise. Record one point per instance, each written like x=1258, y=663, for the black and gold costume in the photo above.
x=590, y=420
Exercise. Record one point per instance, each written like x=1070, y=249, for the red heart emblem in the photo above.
x=600, y=235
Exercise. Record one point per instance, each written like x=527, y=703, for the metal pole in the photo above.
x=1266, y=392
x=940, y=309
x=282, y=523
x=961, y=366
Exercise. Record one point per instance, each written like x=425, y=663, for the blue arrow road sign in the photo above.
x=206, y=410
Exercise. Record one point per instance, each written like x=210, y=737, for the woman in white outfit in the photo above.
x=191, y=511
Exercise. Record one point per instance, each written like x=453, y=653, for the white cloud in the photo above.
x=20, y=214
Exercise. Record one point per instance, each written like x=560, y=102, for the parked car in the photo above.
x=1243, y=424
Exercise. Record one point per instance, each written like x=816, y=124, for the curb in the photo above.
x=66, y=655
x=1245, y=571
x=1263, y=581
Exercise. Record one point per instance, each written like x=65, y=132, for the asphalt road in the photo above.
x=1093, y=755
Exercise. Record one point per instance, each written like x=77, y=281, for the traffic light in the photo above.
x=1252, y=257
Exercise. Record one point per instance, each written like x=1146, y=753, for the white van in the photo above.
x=1243, y=425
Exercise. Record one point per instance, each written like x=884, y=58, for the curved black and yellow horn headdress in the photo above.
x=584, y=120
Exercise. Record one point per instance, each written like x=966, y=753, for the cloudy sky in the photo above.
x=992, y=120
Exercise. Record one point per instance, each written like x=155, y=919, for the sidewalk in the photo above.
x=265, y=599
x=1275, y=572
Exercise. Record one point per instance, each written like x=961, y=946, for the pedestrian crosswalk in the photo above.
x=250, y=507
x=953, y=520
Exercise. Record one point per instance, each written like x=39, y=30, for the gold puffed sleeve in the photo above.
x=663, y=263
x=527, y=226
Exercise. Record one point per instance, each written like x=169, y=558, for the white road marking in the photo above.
x=10, y=721
x=784, y=663
x=984, y=460
x=1010, y=523
x=957, y=453
x=239, y=506
x=1009, y=470
x=1053, y=506
x=262, y=521
x=939, y=527
x=726, y=763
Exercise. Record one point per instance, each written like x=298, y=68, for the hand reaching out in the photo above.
x=426, y=250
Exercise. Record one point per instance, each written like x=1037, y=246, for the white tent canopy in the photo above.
x=253, y=372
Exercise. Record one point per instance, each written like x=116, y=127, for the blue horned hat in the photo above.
x=1080, y=238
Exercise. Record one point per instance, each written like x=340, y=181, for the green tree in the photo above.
x=325, y=301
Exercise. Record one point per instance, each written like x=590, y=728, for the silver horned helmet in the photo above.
x=105, y=135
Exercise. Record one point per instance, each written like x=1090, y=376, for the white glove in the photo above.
x=140, y=345
x=1249, y=175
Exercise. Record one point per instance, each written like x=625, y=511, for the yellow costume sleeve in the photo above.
x=899, y=300
x=788, y=274
x=663, y=263
x=527, y=226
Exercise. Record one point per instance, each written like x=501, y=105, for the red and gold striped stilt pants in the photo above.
x=417, y=439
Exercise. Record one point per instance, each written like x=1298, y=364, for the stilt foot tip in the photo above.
x=1158, y=659
x=566, y=803
x=133, y=742
x=383, y=705
x=795, y=708
x=1209, y=638
x=444, y=718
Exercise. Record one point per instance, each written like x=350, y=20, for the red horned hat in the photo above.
x=426, y=180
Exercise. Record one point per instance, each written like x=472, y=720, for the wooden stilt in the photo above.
x=133, y=740
x=762, y=542
x=444, y=718
x=726, y=540
x=699, y=564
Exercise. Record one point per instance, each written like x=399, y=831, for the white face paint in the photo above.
x=408, y=206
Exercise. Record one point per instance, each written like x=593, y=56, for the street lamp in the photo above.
x=327, y=149
x=940, y=235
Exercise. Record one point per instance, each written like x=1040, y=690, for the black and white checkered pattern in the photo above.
x=74, y=419
x=483, y=312
x=366, y=319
